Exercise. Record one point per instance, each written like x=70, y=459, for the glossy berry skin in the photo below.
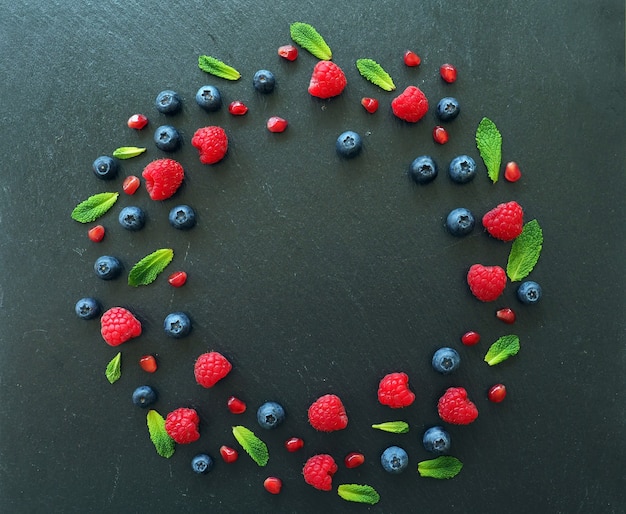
x=448, y=108
x=277, y=124
x=177, y=279
x=235, y=405
x=237, y=108
x=349, y=144
x=436, y=440
x=512, y=172
x=96, y=234
x=273, y=485
x=448, y=73
x=411, y=59
x=148, y=363
x=288, y=52
x=131, y=184
x=144, y=396
x=167, y=138
x=496, y=393
x=270, y=415
x=446, y=360
x=107, y=267
x=182, y=217
x=168, y=102
x=264, y=81
x=105, y=167
x=529, y=292
x=507, y=315
x=132, y=218
x=369, y=104
x=209, y=98
x=137, y=121
x=354, y=460
x=229, y=455
x=293, y=444
x=394, y=460
x=440, y=135
x=202, y=464
x=177, y=325
x=470, y=338
x=460, y=222
x=87, y=308
x=423, y=169
x=462, y=169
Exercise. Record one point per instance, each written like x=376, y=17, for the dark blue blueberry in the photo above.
x=529, y=292
x=107, y=267
x=87, y=308
x=462, y=169
x=177, y=324
x=167, y=138
x=460, y=222
x=182, y=217
x=270, y=415
x=264, y=81
x=132, y=218
x=202, y=463
x=423, y=169
x=446, y=360
x=168, y=102
x=448, y=108
x=394, y=459
x=144, y=396
x=349, y=144
x=209, y=98
x=436, y=440
x=105, y=167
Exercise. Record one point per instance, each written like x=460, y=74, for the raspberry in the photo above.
x=394, y=391
x=328, y=414
x=318, y=471
x=327, y=80
x=210, y=368
x=410, y=105
x=505, y=222
x=118, y=325
x=182, y=425
x=212, y=143
x=486, y=282
x=454, y=407
x=163, y=178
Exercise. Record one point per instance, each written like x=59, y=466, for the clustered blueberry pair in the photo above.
x=423, y=169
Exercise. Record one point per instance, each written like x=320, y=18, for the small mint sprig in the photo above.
x=310, y=39
x=148, y=269
x=218, y=68
x=253, y=446
x=525, y=251
x=443, y=467
x=358, y=493
x=375, y=73
x=128, y=152
x=113, y=371
x=489, y=144
x=395, y=427
x=163, y=443
x=502, y=349
x=94, y=207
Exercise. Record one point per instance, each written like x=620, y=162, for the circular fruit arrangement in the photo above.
x=162, y=179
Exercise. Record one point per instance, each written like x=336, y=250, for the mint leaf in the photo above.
x=164, y=444
x=489, y=144
x=502, y=349
x=440, y=468
x=358, y=493
x=525, y=251
x=253, y=446
x=126, y=152
x=113, y=371
x=310, y=39
x=374, y=72
x=94, y=207
x=395, y=427
x=147, y=269
x=216, y=67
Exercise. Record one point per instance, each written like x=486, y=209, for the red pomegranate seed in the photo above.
x=288, y=52
x=512, y=172
x=273, y=485
x=470, y=338
x=96, y=234
x=237, y=108
x=276, y=124
x=411, y=58
x=440, y=135
x=137, y=121
x=177, y=279
x=370, y=104
x=507, y=315
x=236, y=406
x=448, y=73
x=354, y=459
x=131, y=184
x=497, y=393
x=148, y=363
x=229, y=454
x=294, y=444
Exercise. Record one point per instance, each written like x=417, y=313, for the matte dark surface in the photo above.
x=313, y=274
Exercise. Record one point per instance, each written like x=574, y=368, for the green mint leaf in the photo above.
x=253, y=446
x=127, y=152
x=502, y=349
x=441, y=467
x=216, y=67
x=113, y=371
x=358, y=493
x=94, y=207
x=395, y=427
x=164, y=444
x=310, y=39
x=147, y=269
x=374, y=72
x=525, y=251
x=489, y=144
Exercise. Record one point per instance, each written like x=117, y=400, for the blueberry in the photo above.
x=270, y=415
x=446, y=360
x=448, y=108
x=460, y=222
x=177, y=324
x=423, y=169
x=87, y=308
x=182, y=217
x=349, y=144
x=144, y=396
x=264, y=81
x=436, y=440
x=168, y=102
x=105, y=167
x=394, y=459
x=462, y=169
x=209, y=98
x=529, y=292
x=107, y=267
x=167, y=138
x=132, y=218
x=202, y=463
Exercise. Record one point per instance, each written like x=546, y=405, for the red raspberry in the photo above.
x=319, y=470
x=210, y=368
x=327, y=80
x=212, y=143
x=118, y=325
x=455, y=407
x=163, y=178
x=486, y=282
x=394, y=391
x=505, y=222
x=328, y=414
x=182, y=425
x=411, y=105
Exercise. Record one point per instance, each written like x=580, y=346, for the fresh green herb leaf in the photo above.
x=164, y=444
x=358, y=493
x=253, y=446
x=374, y=72
x=147, y=269
x=113, y=371
x=126, y=152
x=216, y=67
x=525, y=251
x=310, y=39
x=502, y=349
x=395, y=427
x=441, y=467
x=94, y=207
x=489, y=143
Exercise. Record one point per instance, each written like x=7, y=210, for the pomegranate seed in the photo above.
x=448, y=73
x=354, y=459
x=512, y=172
x=276, y=124
x=470, y=338
x=177, y=279
x=131, y=184
x=237, y=108
x=229, y=454
x=411, y=58
x=236, y=406
x=148, y=363
x=294, y=444
x=507, y=315
x=96, y=234
x=497, y=393
x=273, y=485
x=137, y=121
x=288, y=52
x=440, y=135
x=370, y=104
